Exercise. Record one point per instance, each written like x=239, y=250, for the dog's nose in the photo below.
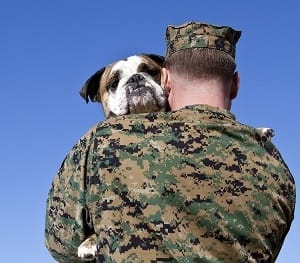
x=135, y=79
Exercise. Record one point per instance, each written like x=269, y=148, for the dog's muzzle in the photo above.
x=136, y=81
x=143, y=95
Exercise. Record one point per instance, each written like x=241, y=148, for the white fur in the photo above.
x=87, y=251
x=268, y=132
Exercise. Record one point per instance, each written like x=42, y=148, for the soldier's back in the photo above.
x=188, y=186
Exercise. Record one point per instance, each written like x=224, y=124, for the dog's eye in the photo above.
x=153, y=72
x=113, y=85
x=114, y=82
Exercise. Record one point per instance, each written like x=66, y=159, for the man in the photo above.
x=191, y=185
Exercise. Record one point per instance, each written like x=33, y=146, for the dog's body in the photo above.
x=128, y=86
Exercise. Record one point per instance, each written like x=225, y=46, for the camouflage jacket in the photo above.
x=187, y=186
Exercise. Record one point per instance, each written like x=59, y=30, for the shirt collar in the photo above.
x=203, y=112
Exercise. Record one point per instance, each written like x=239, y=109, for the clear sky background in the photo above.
x=49, y=48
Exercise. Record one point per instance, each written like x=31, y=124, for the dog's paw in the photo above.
x=268, y=132
x=88, y=249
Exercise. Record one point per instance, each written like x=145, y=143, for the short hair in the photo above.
x=199, y=63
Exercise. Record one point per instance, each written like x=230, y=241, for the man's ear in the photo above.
x=91, y=87
x=165, y=80
x=235, y=85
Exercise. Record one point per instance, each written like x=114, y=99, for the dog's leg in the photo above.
x=88, y=248
x=268, y=132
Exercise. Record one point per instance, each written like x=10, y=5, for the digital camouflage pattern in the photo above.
x=187, y=186
x=201, y=35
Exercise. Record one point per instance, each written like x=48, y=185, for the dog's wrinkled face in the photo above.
x=128, y=86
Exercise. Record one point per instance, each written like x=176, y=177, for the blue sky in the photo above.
x=48, y=50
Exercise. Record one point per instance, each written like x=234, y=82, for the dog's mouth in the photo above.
x=144, y=98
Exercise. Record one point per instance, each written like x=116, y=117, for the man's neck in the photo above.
x=209, y=92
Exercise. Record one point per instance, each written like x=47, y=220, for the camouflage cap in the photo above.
x=201, y=35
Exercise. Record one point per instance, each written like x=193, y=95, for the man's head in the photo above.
x=198, y=52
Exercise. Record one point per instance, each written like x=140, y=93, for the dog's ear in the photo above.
x=91, y=86
x=157, y=58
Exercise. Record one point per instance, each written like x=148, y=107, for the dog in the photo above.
x=129, y=86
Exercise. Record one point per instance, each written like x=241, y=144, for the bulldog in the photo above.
x=129, y=86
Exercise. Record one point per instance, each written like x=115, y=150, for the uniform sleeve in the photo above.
x=67, y=217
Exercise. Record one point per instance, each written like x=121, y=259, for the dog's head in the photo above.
x=131, y=85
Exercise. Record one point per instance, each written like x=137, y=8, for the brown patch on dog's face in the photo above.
x=150, y=67
x=103, y=92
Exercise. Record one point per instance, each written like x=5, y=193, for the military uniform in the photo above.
x=193, y=185
x=187, y=186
